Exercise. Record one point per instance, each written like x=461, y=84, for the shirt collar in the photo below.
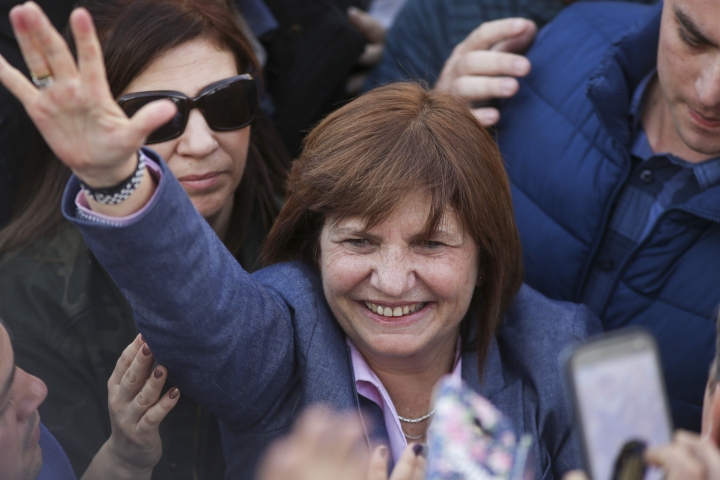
x=707, y=173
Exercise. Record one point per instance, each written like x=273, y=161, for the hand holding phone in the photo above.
x=620, y=402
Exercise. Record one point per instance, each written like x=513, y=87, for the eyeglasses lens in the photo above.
x=231, y=106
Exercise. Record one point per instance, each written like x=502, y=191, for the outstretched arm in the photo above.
x=76, y=114
x=136, y=410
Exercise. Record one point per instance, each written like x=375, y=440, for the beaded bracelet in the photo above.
x=120, y=192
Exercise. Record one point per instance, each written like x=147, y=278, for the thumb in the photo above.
x=378, y=466
x=149, y=118
x=373, y=30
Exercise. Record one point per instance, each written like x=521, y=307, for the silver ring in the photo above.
x=45, y=80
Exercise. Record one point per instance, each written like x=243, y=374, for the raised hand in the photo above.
x=485, y=65
x=136, y=410
x=73, y=107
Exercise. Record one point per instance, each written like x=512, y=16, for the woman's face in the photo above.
x=395, y=296
x=209, y=164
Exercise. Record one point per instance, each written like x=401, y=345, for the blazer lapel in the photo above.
x=504, y=393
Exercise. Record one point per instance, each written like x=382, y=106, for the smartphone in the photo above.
x=620, y=403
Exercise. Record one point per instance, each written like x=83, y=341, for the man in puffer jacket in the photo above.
x=612, y=144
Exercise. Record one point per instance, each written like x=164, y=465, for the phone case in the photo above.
x=470, y=438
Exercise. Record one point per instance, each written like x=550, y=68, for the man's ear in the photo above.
x=711, y=414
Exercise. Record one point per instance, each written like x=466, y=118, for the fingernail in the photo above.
x=142, y=339
x=146, y=350
x=517, y=26
x=507, y=86
x=158, y=372
x=174, y=392
x=420, y=450
x=520, y=66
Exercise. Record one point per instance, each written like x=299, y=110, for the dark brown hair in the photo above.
x=363, y=159
x=133, y=34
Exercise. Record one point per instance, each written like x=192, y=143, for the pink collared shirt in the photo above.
x=369, y=386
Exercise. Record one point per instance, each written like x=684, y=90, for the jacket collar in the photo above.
x=500, y=387
x=625, y=65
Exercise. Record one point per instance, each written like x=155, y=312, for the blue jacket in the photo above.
x=256, y=349
x=565, y=139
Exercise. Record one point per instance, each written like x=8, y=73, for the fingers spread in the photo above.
x=148, y=119
x=490, y=33
x=89, y=51
x=51, y=44
x=17, y=83
x=34, y=59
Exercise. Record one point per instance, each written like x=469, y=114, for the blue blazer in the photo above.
x=257, y=349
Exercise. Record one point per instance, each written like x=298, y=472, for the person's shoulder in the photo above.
x=605, y=17
x=539, y=328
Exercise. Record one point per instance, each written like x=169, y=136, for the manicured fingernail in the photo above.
x=420, y=450
x=158, y=372
x=146, y=350
x=142, y=339
x=174, y=392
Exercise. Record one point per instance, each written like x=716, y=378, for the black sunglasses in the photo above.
x=226, y=105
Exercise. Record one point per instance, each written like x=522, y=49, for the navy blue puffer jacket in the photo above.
x=565, y=139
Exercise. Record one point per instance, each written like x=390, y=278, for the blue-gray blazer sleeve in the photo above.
x=226, y=339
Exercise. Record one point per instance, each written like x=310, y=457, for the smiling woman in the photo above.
x=399, y=200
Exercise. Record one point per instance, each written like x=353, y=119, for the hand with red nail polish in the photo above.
x=136, y=410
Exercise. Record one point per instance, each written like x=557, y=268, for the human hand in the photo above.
x=484, y=65
x=322, y=446
x=410, y=466
x=688, y=457
x=77, y=115
x=136, y=408
x=575, y=475
x=375, y=34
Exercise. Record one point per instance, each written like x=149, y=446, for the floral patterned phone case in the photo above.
x=471, y=439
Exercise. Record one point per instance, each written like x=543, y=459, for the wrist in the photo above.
x=124, y=467
x=104, y=177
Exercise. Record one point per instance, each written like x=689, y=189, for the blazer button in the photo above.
x=647, y=176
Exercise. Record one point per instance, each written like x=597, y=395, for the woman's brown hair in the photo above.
x=133, y=34
x=364, y=159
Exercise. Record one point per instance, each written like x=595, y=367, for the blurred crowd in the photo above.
x=247, y=238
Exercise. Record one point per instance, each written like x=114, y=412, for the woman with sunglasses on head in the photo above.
x=70, y=320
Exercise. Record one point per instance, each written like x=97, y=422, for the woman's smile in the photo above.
x=393, y=292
